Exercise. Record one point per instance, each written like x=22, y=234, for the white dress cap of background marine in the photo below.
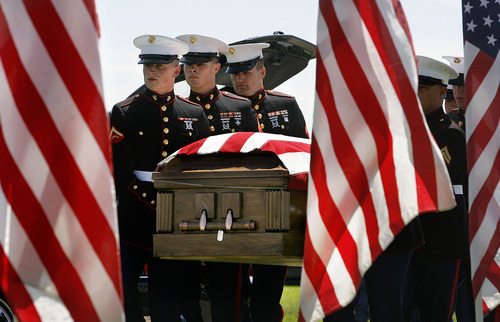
x=156, y=49
x=243, y=57
x=202, y=49
x=434, y=72
x=457, y=63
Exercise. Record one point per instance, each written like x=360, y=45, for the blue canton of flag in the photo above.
x=482, y=25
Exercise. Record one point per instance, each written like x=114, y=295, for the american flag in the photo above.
x=374, y=166
x=58, y=228
x=293, y=152
x=481, y=29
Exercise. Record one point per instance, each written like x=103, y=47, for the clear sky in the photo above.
x=435, y=26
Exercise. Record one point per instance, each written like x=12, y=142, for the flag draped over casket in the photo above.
x=293, y=152
x=58, y=228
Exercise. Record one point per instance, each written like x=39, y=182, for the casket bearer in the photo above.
x=146, y=128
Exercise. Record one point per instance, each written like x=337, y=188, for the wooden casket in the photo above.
x=232, y=207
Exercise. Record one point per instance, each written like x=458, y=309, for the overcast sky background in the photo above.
x=435, y=25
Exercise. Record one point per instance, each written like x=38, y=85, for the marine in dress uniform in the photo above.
x=146, y=128
x=280, y=114
x=465, y=305
x=226, y=113
x=435, y=265
x=458, y=114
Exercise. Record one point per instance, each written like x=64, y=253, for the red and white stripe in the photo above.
x=293, y=152
x=374, y=166
x=482, y=85
x=58, y=228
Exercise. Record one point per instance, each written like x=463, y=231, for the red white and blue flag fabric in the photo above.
x=59, y=253
x=481, y=29
x=374, y=164
x=293, y=152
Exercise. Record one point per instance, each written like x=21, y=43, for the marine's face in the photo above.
x=459, y=94
x=449, y=104
x=160, y=78
x=248, y=82
x=431, y=96
x=201, y=77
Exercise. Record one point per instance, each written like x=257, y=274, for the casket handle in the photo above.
x=203, y=220
x=229, y=219
x=216, y=225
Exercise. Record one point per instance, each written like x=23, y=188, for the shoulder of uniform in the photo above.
x=280, y=94
x=447, y=122
x=455, y=126
x=129, y=100
x=187, y=101
x=234, y=96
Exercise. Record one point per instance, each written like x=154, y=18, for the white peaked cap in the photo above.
x=156, y=48
x=245, y=52
x=203, y=44
x=244, y=57
x=456, y=62
x=440, y=72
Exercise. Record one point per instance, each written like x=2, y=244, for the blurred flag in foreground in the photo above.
x=58, y=228
x=374, y=166
x=481, y=29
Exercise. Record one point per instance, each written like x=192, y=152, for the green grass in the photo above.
x=290, y=302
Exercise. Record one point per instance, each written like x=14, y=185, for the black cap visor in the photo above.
x=198, y=58
x=234, y=68
x=156, y=59
x=457, y=81
x=426, y=80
